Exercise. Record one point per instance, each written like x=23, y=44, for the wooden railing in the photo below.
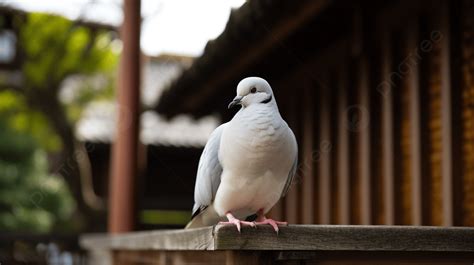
x=295, y=244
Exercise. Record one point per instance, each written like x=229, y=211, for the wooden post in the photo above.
x=124, y=150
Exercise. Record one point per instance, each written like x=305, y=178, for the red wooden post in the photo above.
x=124, y=150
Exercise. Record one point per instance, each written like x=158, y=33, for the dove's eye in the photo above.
x=253, y=90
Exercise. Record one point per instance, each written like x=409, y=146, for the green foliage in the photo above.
x=55, y=47
x=16, y=114
x=31, y=199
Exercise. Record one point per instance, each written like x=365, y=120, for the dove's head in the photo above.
x=252, y=90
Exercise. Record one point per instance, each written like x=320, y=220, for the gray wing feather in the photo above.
x=209, y=172
x=290, y=178
x=292, y=173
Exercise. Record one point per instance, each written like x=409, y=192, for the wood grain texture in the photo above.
x=192, y=239
x=347, y=238
x=293, y=237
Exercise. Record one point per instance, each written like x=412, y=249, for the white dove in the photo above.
x=247, y=164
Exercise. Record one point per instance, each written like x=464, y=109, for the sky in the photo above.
x=169, y=26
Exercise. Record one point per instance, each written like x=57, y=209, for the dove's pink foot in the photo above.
x=236, y=222
x=271, y=222
x=262, y=220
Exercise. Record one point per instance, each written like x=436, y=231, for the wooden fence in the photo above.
x=385, y=123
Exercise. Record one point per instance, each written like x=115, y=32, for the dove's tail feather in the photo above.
x=206, y=217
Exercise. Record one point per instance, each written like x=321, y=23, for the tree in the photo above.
x=31, y=199
x=53, y=49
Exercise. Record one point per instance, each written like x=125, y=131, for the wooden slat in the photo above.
x=376, y=141
x=385, y=89
x=316, y=155
x=306, y=165
x=334, y=166
x=467, y=81
x=448, y=157
x=412, y=82
x=363, y=131
x=353, y=119
x=342, y=150
x=361, y=125
x=402, y=131
x=325, y=156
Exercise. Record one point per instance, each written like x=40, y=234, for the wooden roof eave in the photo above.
x=243, y=44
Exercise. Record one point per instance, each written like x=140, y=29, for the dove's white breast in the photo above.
x=257, y=151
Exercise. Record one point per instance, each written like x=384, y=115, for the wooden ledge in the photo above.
x=293, y=237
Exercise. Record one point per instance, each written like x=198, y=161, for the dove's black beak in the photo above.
x=235, y=102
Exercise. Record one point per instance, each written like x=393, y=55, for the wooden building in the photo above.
x=381, y=99
x=379, y=94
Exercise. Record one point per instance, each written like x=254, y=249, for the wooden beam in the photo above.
x=292, y=237
x=125, y=148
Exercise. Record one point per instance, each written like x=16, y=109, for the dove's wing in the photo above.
x=292, y=172
x=209, y=172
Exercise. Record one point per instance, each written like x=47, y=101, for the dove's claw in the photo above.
x=233, y=222
x=271, y=222
x=237, y=222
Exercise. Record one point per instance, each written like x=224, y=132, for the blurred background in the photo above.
x=106, y=105
x=59, y=65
